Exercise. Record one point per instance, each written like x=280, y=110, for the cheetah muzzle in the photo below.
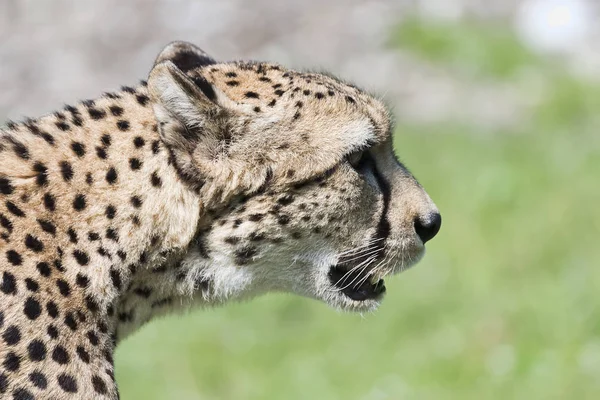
x=209, y=182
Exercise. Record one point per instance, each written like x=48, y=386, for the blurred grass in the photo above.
x=504, y=303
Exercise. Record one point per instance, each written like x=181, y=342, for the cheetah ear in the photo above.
x=184, y=55
x=183, y=105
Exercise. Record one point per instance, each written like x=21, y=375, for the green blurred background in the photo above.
x=504, y=305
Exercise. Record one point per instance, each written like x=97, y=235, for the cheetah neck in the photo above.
x=91, y=199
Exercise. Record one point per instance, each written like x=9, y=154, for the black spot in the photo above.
x=136, y=220
x=116, y=279
x=93, y=236
x=13, y=209
x=251, y=95
x=41, y=177
x=49, y=202
x=306, y=92
x=136, y=201
x=36, y=350
x=78, y=148
x=232, y=239
x=14, y=258
x=144, y=292
x=350, y=99
x=93, y=338
x=83, y=354
x=319, y=95
x=12, y=362
x=256, y=237
x=52, y=309
x=38, y=380
x=283, y=219
x=22, y=394
x=34, y=244
x=122, y=255
x=232, y=83
x=128, y=89
x=72, y=235
x=296, y=115
x=330, y=92
x=63, y=126
x=82, y=281
x=138, y=142
x=5, y=186
x=81, y=257
x=67, y=383
x=142, y=99
x=111, y=176
x=279, y=92
x=113, y=96
x=116, y=111
x=88, y=178
x=272, y=103
x=3, y=383
x=101, y=153
x=231, y=74
x=244, y=255
x=91, y=304
x=32, y=308
x=31, y=285
x=5, y=223
x=96, y=114
x=20, y=150
x=155, y=147
x=112, y=234
x=52, y=332
x=99, y=385
x=47, y=226
x=155, y=180
x=79, y=202
x=58, y=265
x=63, y=287
x=43, y=269
x=110, y=211
x=70, y=321
x=106, y=140
x=257, y=109
x=135, y=164
x=285, y=199
x=255, y=217
x=12, y=335
x=60, y=355
x=123, y=125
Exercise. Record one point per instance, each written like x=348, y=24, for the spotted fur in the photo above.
x=211, y=182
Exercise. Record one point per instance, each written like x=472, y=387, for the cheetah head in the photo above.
x=300, y=189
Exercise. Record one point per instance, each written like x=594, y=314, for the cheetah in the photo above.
x=209, y=182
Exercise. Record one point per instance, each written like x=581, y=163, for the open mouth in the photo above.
x=356, y=283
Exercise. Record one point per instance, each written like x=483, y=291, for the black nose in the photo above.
x=428, y=226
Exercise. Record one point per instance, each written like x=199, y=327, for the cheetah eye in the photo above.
x=357, y=159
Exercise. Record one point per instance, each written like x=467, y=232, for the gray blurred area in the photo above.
x=59, y=51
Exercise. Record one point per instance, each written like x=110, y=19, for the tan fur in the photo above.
x=213, y=182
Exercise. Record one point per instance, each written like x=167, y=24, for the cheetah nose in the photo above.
x=428, y=226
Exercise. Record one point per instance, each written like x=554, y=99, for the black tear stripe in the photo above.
x=383, y=226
